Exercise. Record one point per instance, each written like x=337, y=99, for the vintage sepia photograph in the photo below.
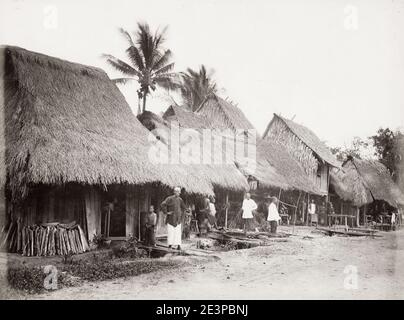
x=202, y=150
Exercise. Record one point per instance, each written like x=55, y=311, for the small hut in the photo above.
x=311, y=153
x=72, y=150
x=305, y=147
x=366, y=189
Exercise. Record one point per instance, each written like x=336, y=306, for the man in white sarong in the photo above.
x=248, y=207
x=174, y=207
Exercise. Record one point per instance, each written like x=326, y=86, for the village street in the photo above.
x=309, y=265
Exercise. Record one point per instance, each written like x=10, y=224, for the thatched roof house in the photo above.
x=186, y=118
x=223, y=114
x=71, y=145
x=286, y=167
x=208, y=164
x=66, y=122
x=363, y=181
x=273, y=166
x=215, y=113
x=305, y=147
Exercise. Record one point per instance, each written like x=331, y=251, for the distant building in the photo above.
x=304, y=145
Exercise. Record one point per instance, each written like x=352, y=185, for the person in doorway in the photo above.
x=248, y=207
x=203, y=217
x=393, y=220
x=312, y=212
x=212, y=212
x=150, y=225
x=273, y=214
x=174, y=207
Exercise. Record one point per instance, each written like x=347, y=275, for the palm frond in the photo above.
x=122, y=80
x=166, y=83
x=135, y=57
x=120, y=65
x=127, y=36
x=165, y=69
x=162, y=60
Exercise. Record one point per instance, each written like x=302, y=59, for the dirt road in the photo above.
x=308, y=266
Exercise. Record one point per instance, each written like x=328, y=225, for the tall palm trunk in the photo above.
x=144, y=102
x=139, y=110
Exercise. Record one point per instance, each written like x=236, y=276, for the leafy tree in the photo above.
x=149, y=63
x=388, y=148
x=196, y=86
x=355, y=150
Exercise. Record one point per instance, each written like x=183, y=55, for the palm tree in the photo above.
x=196, y=87
x=149, y=64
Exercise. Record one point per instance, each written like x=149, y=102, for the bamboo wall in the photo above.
x=82, y=204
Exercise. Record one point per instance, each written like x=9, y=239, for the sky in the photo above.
x=334, y=66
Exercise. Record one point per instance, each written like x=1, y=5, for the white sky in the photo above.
x=338, y=66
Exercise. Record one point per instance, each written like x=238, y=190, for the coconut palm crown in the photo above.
x=149, y=63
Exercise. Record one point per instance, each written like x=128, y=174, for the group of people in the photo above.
x=174, y=209
x=269, y=208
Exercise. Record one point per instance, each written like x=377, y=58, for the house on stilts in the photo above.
x=270, y=169
x=311, y=153
x=365, y=190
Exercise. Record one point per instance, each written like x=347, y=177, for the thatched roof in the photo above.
x=272, y=166
x=309, y=138
x=186, y=118
x=222, y=114
x=363, y=181
x=223, y=175
x=66, y=122
x=288, y=170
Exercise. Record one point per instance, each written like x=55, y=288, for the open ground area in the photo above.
x=307, y=265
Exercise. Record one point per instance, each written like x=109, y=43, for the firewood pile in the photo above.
x=48, y=239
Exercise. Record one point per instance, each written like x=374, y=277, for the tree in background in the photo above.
x=389, y=149
x=149, y=63
x=196, y=86
x=356, y=150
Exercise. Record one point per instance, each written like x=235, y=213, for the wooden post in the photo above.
x=307, y=215
x=92, y=212
x=357, y=217
x=279, y=197
x=51, y=212
x=227, y=209
x=130, y=214
x=294, y=215
x=365, y=209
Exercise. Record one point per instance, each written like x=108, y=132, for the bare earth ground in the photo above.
x=309, y=265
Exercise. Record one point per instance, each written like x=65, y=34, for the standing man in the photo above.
x=150, y=226
x=174, y=207
x=312, y=212
x=249, y=206
x=273, y=214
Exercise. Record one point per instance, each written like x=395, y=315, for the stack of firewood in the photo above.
x=46, y=239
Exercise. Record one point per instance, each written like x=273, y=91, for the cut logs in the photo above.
x=45, y=240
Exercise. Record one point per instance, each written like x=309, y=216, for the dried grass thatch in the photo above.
x=272, y=165
x=216, y=174
x=363, y=181
x=186, y=118
x=222, y=114
x=308, y=137
x=66, y=122
x=288, y=171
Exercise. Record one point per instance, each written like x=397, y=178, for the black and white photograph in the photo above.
x=178, y=150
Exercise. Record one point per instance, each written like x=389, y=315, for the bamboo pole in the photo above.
x=294, y=215
x=227, y=209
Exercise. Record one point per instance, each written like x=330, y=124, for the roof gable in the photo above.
x=309, y=138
